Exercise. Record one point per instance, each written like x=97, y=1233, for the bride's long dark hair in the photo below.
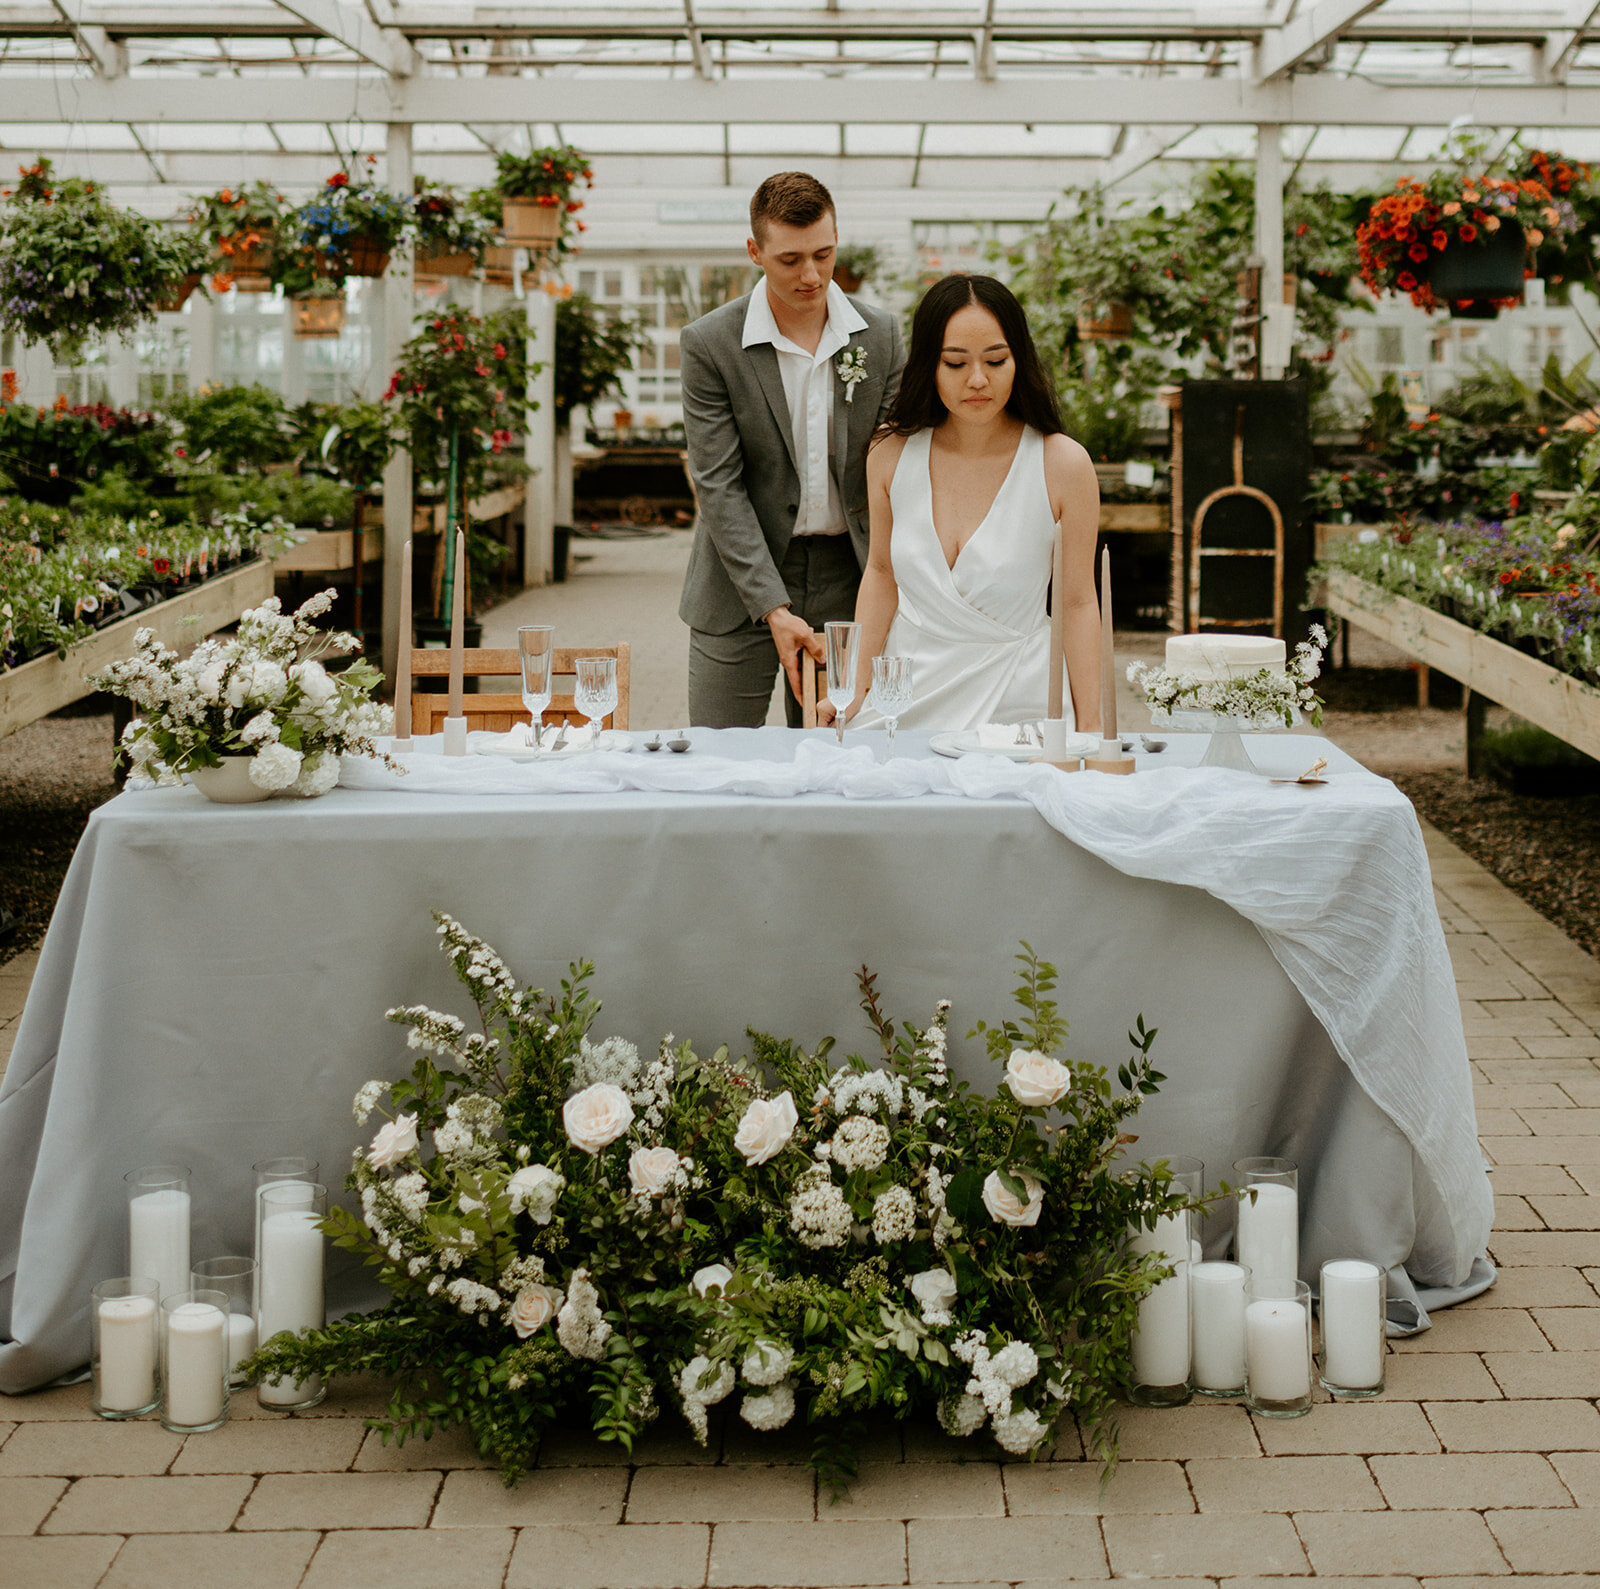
x=918, y=406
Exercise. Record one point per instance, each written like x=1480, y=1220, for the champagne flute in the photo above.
x=596, y=693
x=536, y=645
x=891, y=692
x=843, y=645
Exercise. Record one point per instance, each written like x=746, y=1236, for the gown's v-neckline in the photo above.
x=977, y=529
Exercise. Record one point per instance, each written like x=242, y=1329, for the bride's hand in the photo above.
x=826, y=711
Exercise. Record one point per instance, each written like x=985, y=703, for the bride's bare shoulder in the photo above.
x=884, y=454
x=1068, y=457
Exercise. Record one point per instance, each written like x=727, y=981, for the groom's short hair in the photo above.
x=791, y=198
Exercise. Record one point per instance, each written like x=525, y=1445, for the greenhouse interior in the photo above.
x=792, y=520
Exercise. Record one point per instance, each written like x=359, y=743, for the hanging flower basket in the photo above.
x=499, y=264
x=179, y=296
x=533, y=224
x=1476, y=278
x=318, y=317
x=445, y=262
x=1107, y=322
x=366, y=257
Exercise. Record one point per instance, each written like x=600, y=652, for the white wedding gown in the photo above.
x=977, y=634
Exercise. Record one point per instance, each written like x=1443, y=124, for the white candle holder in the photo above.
x=124, y=1317
x=289, y=1290
x=194, y=1334
x=1277, y=1348
x=1216, y=1315
x=1354, y=1328
x=1267, y=1232
x=455, y=736
x=236, y=1279
x=1161, y=1341
x=268, y=1172
x=158, y=1225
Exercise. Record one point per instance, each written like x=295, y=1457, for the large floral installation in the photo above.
x=572, y=1230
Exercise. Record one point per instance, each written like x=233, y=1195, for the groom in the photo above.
x=782, y=390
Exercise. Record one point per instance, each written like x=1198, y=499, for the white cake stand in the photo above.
x=1226, y=747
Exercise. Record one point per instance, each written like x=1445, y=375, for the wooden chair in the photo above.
x=497, y=713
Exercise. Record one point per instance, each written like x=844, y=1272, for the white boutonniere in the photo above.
x=852, y=367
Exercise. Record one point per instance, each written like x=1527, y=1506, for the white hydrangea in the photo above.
x=580, y=1325
x=862, y=1092
x=962, y=1415
x=771, y=1410
x=697, y=1397
x=259, y=680
x=894, y=1215
x=1019, y=1432
x=318, y=774
x=818, y=1212
x=260, y=730
x=859, y=1144
x=1015, y=1363
x=274, y=767
x=767, y=1362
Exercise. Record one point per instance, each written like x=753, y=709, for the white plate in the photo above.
x=507, y=749
x=964, y=742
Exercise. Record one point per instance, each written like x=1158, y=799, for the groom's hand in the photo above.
x=793, y=635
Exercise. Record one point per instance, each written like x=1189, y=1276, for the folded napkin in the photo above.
x=1000, y=736
x=521, y=738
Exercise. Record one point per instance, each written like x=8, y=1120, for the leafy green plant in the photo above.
x=233, y=427
x=354, y=440
x=444, y=223
x=861, y=260
x=238, y=222
x=49, y=454
x=1102, y=400
x=550, y=178
x=594, y=348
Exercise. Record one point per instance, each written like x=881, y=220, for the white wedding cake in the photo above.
x=1224, y=656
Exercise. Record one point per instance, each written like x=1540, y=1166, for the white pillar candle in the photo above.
x=1161, y=1341
x=241, y=1341
x=1352, y=1323
x=289, y=1290
x=158, y=1238
x=1216, y=1296
x=197, y=1364
x=1277, y=1349
x=1268, y=1238
x=127, y=1353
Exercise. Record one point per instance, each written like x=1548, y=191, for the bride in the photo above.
x=966, y=482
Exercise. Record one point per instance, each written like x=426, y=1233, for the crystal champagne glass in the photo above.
x=536, y=646
x=891, y=692
x=843, y=646
x=596, y=694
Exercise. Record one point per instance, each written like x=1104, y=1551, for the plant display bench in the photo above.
x=1487, y=669
x=46, y=684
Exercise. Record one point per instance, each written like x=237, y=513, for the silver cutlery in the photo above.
x=560, y=738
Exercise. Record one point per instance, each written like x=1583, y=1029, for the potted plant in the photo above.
x=450, y=235
x=319, y=309
x=237, y=226
x=234, y=429
x=855, y=265
x=536, y=194
x=352, y=226
x=73, y=265
x=1565, y=258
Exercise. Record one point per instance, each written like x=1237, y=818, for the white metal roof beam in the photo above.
x=697, y=43
x=1562, y=45
x=109, y=58
x=390, y=52
x=1312, y=30
x=984, y=59
x=1144, y=148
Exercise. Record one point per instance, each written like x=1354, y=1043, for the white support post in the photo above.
x=1278, y=329
x=398, y=308
x=203, y=314
x=539, y=446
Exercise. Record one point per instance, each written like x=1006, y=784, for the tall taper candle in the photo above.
x=458, y=623
x=402, y=683
x=1108, y=661
x=1058, y=627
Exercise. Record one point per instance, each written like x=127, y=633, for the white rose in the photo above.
x=535, y=1187
x=259, y=680
x=766, y=1128
x=714, y=1274
x=596, y=1116
x=934, y=1289
x=1007, y=1208
x=313, y=680
x=534, y=1308
x=1036, y=1081
x=652, y=1171
x=275, y=766
x=393, y=1142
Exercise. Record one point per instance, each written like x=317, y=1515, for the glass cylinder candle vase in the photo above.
x=268, y=1172
x=158, y=1225
x=1161, y=1339
x=123, y=1317
x=1277, y=1348
x=289, y=1280
x=1353, y=1327
x=236, y=1278
x=1216, y=1323
x=1267, y=1235
x=194, y=1328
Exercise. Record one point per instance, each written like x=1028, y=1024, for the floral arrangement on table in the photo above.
x=1531, y=580
x=262, y=692
x=51, y=453
x=548, y=177
x=443, y=223
x=452, y=381
x=349, y=224
x=239, y=225
x=1260, y=700
x=572, y=1230
x=64, y=574
x=73, y=265
x=1463, y=203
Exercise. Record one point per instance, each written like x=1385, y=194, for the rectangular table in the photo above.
x=213, y=986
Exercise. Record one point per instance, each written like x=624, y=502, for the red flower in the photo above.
x=499, y=350
x=181, y=452
x=1406, y=282
x=1417, y=253
x=160, y=565
x=1506, y=578
x=339, y=179
x=1467, y=232
x=1302, y=229
x=1516, y=497
x=1440, y=240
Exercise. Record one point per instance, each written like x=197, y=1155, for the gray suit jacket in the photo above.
x=741, y=454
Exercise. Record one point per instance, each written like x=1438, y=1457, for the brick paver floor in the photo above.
x=1482, y=1461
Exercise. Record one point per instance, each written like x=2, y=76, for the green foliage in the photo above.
x=1103, y=397
x=861, y=260
x=51, y=453
x=443, y=222
x=594, y=347
x=305, y=501
x=354, y=440
x=233, y=428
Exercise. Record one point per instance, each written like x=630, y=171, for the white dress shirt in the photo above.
x=808, y=385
